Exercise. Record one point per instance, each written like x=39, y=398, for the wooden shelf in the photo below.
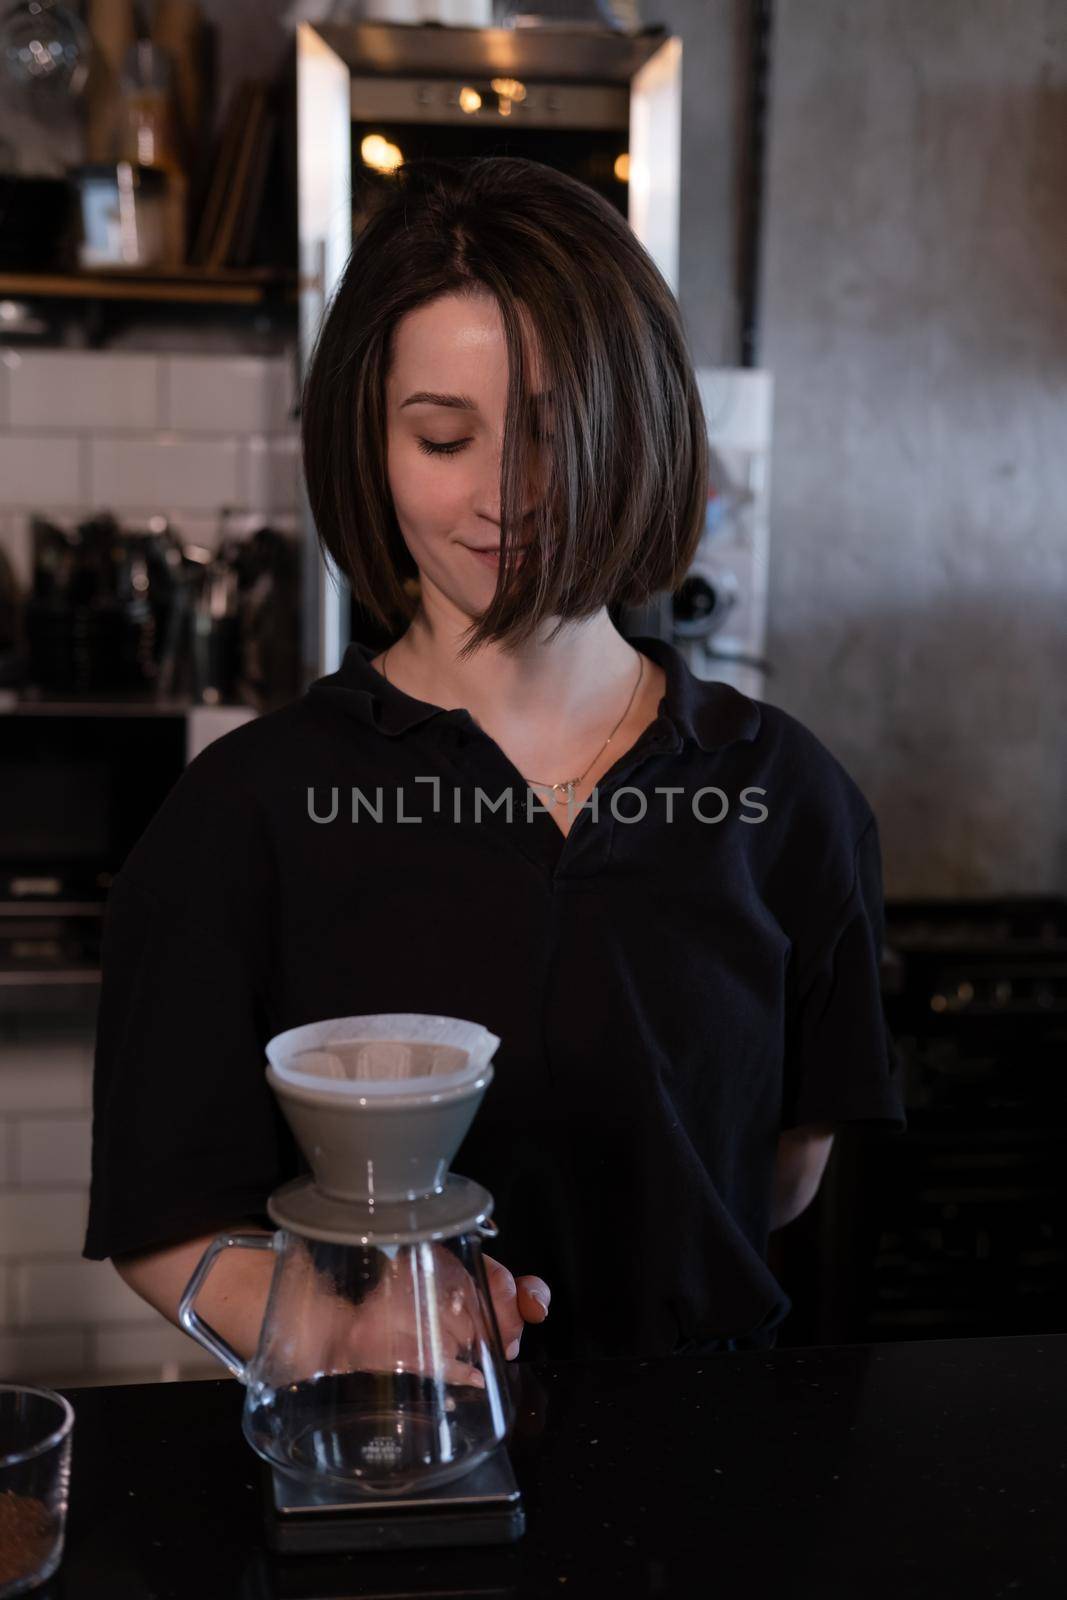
x=183, y=284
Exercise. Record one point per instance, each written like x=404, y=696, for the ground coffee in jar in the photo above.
x=27, y=1535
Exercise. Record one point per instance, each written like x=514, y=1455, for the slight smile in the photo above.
x=490, y=554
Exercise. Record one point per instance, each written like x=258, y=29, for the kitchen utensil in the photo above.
x=377, y=1393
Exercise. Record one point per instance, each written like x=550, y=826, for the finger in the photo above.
x=460, y=1372
x=455, y=1372
x=505, y=1302
x=407, y=1353
x=501, y=1282
x=533, y=1297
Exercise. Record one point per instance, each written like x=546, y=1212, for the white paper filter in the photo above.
x=388, y=1053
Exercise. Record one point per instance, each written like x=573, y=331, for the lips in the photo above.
x=489, y=555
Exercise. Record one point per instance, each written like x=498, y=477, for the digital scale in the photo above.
x=482, y=1507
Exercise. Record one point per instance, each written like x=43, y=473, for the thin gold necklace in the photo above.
x=568, y=786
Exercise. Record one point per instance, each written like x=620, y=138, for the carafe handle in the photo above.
x=193, y=1323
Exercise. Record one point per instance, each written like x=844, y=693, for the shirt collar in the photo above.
x=708, y=713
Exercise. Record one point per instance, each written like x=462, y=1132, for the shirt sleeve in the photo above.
x=841, y=1064
x=186, y=1134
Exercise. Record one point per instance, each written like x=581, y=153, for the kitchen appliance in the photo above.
x=958, y=1229
x=719, y=614
x=80, y=786
x=576, y=14
x=124, y=612
x=414, y=13
x=101, y=600
x=377, y=1396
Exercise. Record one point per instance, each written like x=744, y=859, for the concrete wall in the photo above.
x=914, y=312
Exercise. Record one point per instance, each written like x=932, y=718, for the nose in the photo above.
x=534, y=479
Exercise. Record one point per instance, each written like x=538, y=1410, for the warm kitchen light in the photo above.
x=379, y=153
x=508, y=90
x=469, y=99
x=622, y=167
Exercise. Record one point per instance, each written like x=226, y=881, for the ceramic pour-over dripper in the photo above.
x=380, y=1104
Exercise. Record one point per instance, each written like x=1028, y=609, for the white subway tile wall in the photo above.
x=35, y=467
x=143, y=435
x=133, y=1347
x=79, y=389
x=203, y=473
x=50, y=1358
x=65, y=1320
x=208, y=394
x=62, y=1292
x=182, y=436
x=40, y=1222
x=52, y=1077
x=48, y=1150
x=271, y=465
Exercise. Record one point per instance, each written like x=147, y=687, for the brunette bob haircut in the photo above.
x=623, y=479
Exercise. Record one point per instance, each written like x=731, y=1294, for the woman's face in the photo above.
x=444, y=459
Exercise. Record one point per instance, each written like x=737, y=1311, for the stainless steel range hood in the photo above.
x=565, y=54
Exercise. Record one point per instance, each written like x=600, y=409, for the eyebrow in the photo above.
x=458, y=402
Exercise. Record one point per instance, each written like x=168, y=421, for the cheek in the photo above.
x=426, y=491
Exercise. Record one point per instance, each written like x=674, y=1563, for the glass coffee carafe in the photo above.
x=379, y=1369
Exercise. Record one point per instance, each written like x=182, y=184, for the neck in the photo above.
x=581, y=677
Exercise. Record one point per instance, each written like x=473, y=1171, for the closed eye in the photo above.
x=430, y=449
x=453, y=447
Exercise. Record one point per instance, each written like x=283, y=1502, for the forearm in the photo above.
x=787, y=1204
x=232, y=1299
x=800, y=1161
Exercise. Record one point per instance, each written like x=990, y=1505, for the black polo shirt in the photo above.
x=689, y=971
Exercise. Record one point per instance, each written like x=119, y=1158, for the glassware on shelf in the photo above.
x=147, y=138
x=44, y=46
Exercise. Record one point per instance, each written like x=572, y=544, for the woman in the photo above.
x=663, y=896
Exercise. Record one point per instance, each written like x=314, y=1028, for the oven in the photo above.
x=81, y=783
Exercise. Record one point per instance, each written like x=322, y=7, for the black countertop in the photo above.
x=930, y=1468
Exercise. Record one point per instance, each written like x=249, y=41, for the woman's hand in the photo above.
x=516, y=1302
x=388, y=1328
